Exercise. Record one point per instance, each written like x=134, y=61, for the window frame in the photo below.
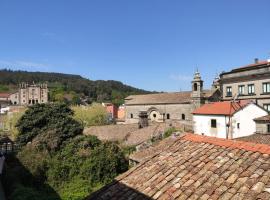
x=229, y=92
x=241, y=89
x=266, y=88
x=252, y=91
x=266, y=107
x=213, y=123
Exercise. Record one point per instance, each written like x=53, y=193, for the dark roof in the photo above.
x=264, y=63
x=263, y=119
x=196, y=167
x=164, y=98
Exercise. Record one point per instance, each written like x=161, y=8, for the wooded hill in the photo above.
x=68, y=87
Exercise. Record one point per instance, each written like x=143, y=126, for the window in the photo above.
x=238, y=125
x=195, y=87
x=268, y=128
x=168, y=116
x=266, y=107
x=266, y=87
x=131, y=115
x=154, y=115
x=229, y=91
x=213, y=123
x=241, y=89
x=251, y=89
x=183, y=117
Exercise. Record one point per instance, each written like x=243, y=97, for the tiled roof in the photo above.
x=264, y=63
x=260, y=63
x=164, y=98
x=197, y=167
x=159, y=98
x=221, y=108
x=256, y=138
x=142, y=155
x=263, y=119
x=4, y=95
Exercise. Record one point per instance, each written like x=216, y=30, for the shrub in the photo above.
x=94, y=115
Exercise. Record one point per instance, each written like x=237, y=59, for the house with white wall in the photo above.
x=227, y=119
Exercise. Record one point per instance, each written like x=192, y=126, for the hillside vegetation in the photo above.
x=67, y=87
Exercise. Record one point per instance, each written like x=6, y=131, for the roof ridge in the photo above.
x=248, y=146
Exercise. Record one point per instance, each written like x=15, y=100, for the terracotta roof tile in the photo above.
x=196, y=167
x=4, y=95
x=221, y=108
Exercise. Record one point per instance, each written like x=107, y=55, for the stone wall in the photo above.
x=165, y=112
x=261, y=128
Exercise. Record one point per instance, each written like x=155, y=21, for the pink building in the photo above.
x=121, y=112
x=111, y=109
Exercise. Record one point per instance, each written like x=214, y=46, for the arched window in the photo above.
x=195, y=87
x=168, y=116
x=131, y=115
x=183, y=117
x=154, y=115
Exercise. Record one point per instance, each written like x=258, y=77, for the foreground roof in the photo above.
x=221, y=108
x=196, y=167
x=164, y=98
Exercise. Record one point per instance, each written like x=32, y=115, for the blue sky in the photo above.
x=150, y=44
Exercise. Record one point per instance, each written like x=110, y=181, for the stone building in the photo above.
x=248, y=82
x=263, y=124
x=162, y=107
x=29, y=94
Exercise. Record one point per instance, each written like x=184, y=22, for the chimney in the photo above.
x=256, y=60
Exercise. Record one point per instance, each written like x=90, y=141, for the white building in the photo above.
x=227, y=119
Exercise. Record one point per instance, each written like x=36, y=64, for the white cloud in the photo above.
x=180, y=77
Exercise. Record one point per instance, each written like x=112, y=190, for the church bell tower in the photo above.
x=197, y=90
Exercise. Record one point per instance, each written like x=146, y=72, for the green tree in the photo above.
x=52, y=123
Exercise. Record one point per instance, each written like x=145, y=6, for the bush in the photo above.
x=169, y=132
x=94, y=115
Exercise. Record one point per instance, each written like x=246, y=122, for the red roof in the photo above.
x=233, y=144
x=4, y=95
x=221, y=108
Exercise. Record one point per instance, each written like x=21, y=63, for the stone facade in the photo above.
x=166, y=107
x=29, y=94
x=249, y=82
x=263, y=125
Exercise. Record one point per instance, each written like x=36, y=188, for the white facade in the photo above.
x=241, y=123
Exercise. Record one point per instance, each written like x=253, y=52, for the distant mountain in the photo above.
x=68, y=86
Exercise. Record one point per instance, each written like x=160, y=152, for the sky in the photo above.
x=149, y=44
